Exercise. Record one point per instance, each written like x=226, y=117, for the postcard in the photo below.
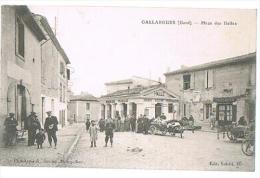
x=153, y=88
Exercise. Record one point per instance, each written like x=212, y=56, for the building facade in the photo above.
x=149, y=100
x=133, y=82
x=82, y=107
x=227, y=88
x=20, y=76
x=54, y=75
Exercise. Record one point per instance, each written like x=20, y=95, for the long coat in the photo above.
x=93, y=133
x=51, y=124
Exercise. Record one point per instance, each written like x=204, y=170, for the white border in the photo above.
x=83, y=172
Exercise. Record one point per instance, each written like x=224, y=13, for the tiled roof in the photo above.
x=27, y=16
x=120, y=82
x=48, y=29
x=132, y=91
x=87, y=97
x=218, y=63
x=130, y=80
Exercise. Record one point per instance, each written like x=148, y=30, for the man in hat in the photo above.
x=32, y=125
x=51, y=127
x=10, y=128
x=109, y=131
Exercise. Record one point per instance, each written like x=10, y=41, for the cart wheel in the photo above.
x=164, y=132
x=248, y=148
x=230, y=135
x=153, y=129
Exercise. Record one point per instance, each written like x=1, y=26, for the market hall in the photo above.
x=151, y=101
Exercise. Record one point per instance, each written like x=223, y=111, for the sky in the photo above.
x=105, y=44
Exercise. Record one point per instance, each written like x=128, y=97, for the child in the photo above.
x=93, y=133
x=40, y=137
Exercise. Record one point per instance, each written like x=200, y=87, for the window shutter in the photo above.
x=205, y=79
x=234, y=113
x=210, y=78
x=192, y=80
x=181, y=82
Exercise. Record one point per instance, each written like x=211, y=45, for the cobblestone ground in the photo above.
x=196, y=151
x=22, y=155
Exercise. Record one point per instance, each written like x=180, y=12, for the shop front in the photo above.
x=226, y=110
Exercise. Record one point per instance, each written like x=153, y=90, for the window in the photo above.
x=184, y=109
x=170, y=108
x=208, y=79
x=60, y=92
x=186, y=82
x=62, y=69
x=68, y=74
x=64, y=94
x=20, y=37
x=87, y=106
x=146, y=112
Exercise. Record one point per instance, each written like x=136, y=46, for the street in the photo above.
x=196, y=151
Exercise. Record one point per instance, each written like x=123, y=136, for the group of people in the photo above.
x=106, y=125
x=35, y=132
x=110, y=126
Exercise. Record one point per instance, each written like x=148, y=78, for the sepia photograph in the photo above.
x=153, y=88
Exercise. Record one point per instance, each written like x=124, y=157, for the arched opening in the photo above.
x=103, y=111
x=124, y=112
x=19, y=102
x=109, y=110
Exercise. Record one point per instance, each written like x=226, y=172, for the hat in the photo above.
x=11, y=114
x=48, y=112
x=92, y=121
x=33, y=112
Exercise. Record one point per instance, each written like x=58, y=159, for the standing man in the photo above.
x=140, y=124
x=145, y=124
x=87, y=124
x=133, y=123
x=109, y=131
x=51, y=127
x=212, y=121
x=10, y=128
x=32, y=124
x=101, y=124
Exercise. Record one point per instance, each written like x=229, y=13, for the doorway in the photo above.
x=21, y=106
x=208, y=110
x=158, y=110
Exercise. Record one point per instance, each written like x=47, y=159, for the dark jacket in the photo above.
x=51, y=124
x=33, y=123
x=109, y=127
x=40, y=137
x=10, y=124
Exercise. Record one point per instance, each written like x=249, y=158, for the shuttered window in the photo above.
x=208, y=79
x=186, y=81
x=20, y=37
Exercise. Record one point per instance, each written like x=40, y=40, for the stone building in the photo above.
x=130, y=97
x=20, y=76
x=84, y=106
x=132, y=82
x=54, y=74
x=225, y=87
